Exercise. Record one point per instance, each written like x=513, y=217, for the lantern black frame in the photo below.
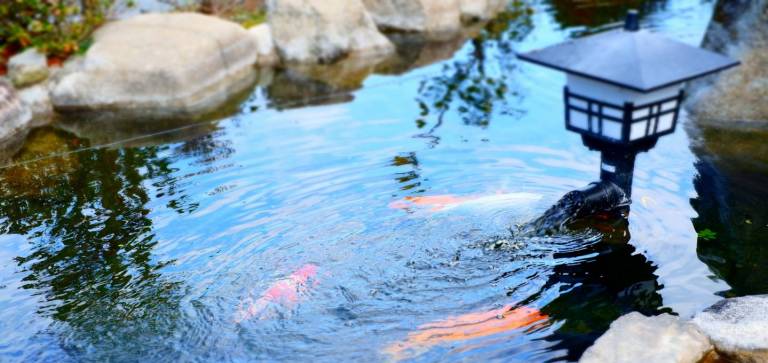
x=595, y=110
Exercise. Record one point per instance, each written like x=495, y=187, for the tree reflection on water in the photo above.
x=476, y=86
x=86, y=216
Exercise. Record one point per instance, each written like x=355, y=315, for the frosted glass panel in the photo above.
x=613, y=112
x=579, y=120
x=640, y=113
x=578, y=103
x=638, y=130
x=665, y=122
x=612, y=129
x=669, y=105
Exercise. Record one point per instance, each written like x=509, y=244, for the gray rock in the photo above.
x=265, y=47
x=158, y=66
x=738, y=327
x=437, y=19
x=312, y=31
x=737, y=29
x=642, y=339
x=14, y=115
x=38, y=100
x=27, y=68
x=474, y=10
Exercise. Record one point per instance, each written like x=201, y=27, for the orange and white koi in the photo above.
x=465, y=327
x=287, y=292
x=437, y=203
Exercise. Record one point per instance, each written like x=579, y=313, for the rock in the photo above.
x=158, y=66
x=27, y=68
x=437, y=19
x=38, y=100
x=737, y=29
x=478, y=10
x=265, y=47
x=324, y=31
x=642, y=339
x=738, y=327
x=14, y=115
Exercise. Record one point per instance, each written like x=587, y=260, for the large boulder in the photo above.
x=27, y=68
x=436, y=19
x=159, y=66
x=14, y=115
x=265, y=47
x=312, y=31
x=738, y=29
x=475, y=10
x=738, y=327
x=641, y=339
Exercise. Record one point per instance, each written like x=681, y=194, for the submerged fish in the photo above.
x=285, y=292
x=437, y=203
x=465, y=327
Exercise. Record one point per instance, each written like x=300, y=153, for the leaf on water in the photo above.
x=707, y=234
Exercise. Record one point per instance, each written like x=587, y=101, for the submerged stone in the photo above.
x=311, y=31
x=159, y=66
x=738, y=327
x=27, y=68
x=643, y=339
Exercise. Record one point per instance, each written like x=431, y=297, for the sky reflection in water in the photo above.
x=147, y=249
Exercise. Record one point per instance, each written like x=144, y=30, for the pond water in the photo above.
x=345, y=216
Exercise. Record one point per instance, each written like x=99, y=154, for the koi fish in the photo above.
x=465, y=327
x=438, y=203
x=287, y=292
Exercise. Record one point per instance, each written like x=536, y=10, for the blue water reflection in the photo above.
x=392, y=191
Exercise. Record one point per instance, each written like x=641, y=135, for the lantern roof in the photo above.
x=630, y=58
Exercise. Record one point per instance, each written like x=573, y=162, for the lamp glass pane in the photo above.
x=578, y=103
x=613, y=112
x=579, y=120
x=643, y=112
x=612, y=129
x=665, y=122
x=638, y=130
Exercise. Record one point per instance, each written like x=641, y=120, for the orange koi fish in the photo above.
x=438, y=203
x=465, y=327
x=287, y=292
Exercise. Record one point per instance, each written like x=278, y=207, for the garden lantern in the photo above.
x=625, y=86
x=624, y=90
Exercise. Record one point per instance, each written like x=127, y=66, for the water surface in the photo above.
x=145, y=249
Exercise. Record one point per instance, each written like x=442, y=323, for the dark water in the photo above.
x=143, y=250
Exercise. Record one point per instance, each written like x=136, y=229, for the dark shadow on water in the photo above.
x=732, y=221
x=607, y=280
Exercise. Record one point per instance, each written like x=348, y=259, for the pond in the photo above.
x=354, y=212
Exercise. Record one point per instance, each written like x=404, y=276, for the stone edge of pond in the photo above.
x=151, y=78
x=734, y=329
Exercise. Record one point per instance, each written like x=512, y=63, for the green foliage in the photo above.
x=249, y=19
x=58, y=28
x=707, y=234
